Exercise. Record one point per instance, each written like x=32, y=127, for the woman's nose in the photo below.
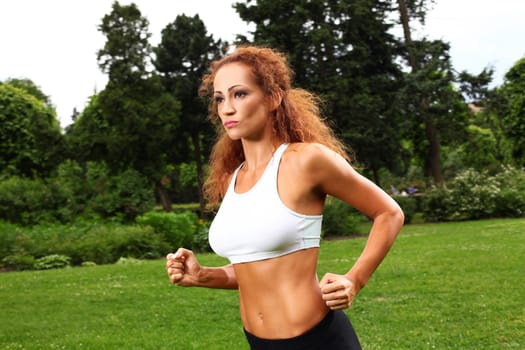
x=227, y=107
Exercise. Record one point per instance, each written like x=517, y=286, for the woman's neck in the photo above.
x=258, y=154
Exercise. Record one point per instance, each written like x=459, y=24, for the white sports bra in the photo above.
x=256, y=225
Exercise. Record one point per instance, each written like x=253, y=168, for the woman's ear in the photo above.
x=275, y=100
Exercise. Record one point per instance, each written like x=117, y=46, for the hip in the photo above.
x=333, y=332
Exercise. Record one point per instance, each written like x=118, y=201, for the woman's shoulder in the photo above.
x=315, y=160
x=309, y=151
x=309, y=156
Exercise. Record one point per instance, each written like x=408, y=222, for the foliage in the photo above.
x=83, y=241
x=178, y=229
x=26, y=201
x=30, y=87
x=510, y=104
x=344, y=52
x=132, y=124
x=53, y=261
x=475, y=88
x=434, y=110
x=106, y=244
x=478, y=151
x=127, y=194
x=74, y=192
x=31, y=143
x=409, y=205
x=127, y=49
x=182, y=58
x=18, y=262
x=510, y=201
x=339, y=219
x=475, y=195
x=200, y=242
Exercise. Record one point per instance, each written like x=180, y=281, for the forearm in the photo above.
x=382, y=235
x=217, y=277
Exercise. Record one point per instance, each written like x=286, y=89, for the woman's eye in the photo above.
x=239, y=94
x=218, y=99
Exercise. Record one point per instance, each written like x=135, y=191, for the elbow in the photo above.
x=397, y=217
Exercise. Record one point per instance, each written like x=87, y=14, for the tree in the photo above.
x=433, y=105
x=509, y=104
x=341, y=50
x=132, y=123
x=127, y=50
x=434, y=100
x=31, y=88
x=30, y=138
x=182, y=58
x=475, y=88
x=89, y=135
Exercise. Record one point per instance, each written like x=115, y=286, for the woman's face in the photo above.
x=241, y=103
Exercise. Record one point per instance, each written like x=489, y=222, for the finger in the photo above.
x=180, y=254
x=327, y=279
x=337, y=304
x=334, y=296
x=172, y=270
x=331, y=288
x=176, y=277
x=175, y=264
x=340, y=303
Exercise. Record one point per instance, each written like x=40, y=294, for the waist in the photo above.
x=280, y=297
x=319, y=326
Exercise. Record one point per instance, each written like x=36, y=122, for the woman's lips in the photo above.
x=230, y=124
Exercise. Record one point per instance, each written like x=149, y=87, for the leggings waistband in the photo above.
x=333, y=332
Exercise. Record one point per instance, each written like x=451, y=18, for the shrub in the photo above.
x=510, y=201
x=339, y=219
x=105, y=244
x=436, y=205
x=54, y=261
x=70, y=191
x=200, y=241
x=475, y=195
x=26, y=201
x=73, y=191
x=84, y=241
x=129, y=194
x=18, y=262
x=178, y=229
x=14, y=241
x=409, y=206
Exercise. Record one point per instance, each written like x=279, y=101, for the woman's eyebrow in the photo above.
x=229, y=89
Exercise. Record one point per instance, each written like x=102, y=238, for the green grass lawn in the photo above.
x=443, y=286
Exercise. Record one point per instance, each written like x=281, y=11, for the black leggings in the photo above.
x=334, y=332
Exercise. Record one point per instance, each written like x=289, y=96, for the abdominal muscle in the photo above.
x=280, y=297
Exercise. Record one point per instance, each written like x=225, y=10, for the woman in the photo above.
x=271, y=169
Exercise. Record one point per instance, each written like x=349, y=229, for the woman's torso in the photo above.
x=280, y=297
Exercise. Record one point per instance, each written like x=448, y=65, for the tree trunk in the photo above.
x=434, y=157
x=200, y=172
x=164, y=197
x=403, y=14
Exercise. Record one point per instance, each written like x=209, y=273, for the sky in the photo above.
x=54, y=43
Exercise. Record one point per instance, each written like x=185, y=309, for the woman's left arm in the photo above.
x=336, y=177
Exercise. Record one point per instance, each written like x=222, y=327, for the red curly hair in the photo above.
x=297, y=117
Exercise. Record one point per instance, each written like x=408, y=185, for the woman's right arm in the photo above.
x=184, y=270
